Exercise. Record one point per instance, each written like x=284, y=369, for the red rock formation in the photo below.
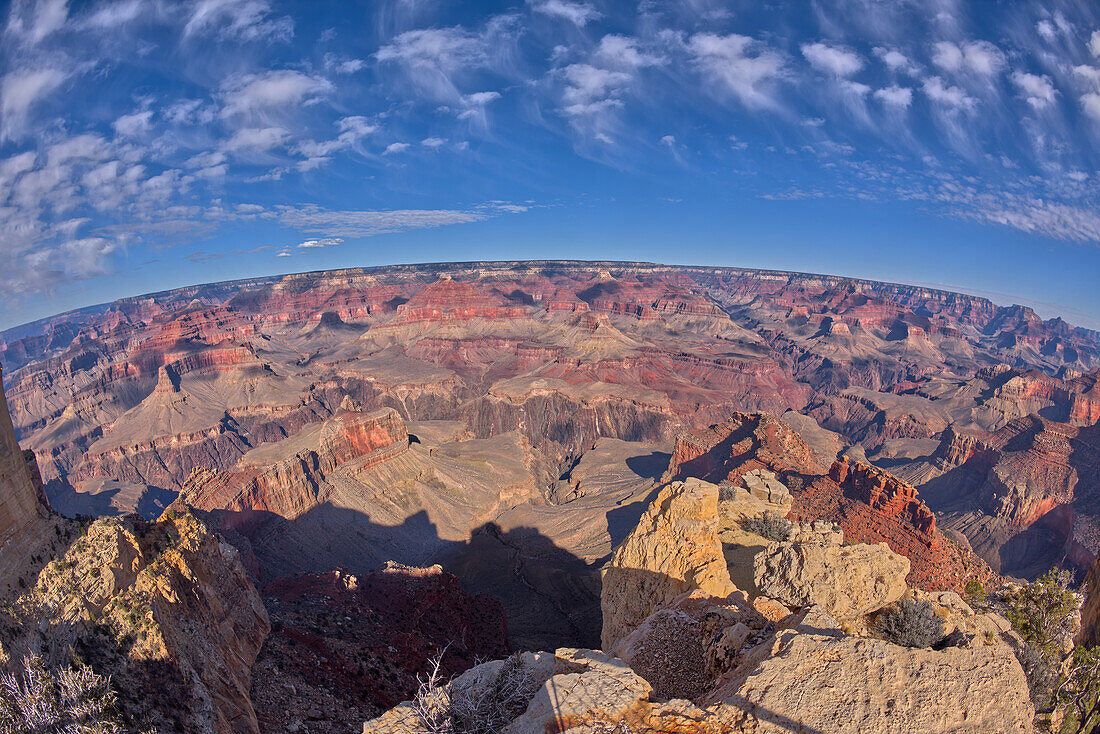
x=870, y=505
x=288, y=480
x=883, y=492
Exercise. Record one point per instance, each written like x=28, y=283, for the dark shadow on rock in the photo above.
x=551, y=597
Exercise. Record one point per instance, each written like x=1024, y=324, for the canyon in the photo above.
x=382, y=461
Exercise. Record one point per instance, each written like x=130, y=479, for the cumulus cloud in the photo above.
x=895, y=96
x=740, y=66
x=978, y=57
x=579, y=14
x=19, y=91
x=393, y=148
x=134, y=124
x=1094, y=43
x=623, y=52
x=895, y=60
x=1037, y=90
x=947, y=96
x=272, y=89
x=834, y=60
x=256, y=139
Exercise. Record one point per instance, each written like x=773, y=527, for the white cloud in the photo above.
x=1090, y=75
x=256, y=139
x=948, y=96
x=273, y=89
x=243, y=20
x=979, y=57
x=353, y=129
x=321, y=242
x=393, y=148
x=622, y=52
x=34, y=20
x=1091, y=104
x=895, y=60
x=1046, y=29
x=436, y=60
x=834, y=60
x=895, y=96
x=112, y=14
x=1094, y=43
x=576, y=13
x=353, y=224
x=19, y=92
x=134, y=124
x=283, y=253
x=433, y=142
x=1037, y=90
x=740, y=66
x=590, y=89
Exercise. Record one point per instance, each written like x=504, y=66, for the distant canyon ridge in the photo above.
x=511, y=420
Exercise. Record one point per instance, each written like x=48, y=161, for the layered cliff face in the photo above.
x=870, y=505
x=1025, y=495
x=23, y=506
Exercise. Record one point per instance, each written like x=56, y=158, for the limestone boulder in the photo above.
x=847, y=581
x=851, y=685
x=674, y=549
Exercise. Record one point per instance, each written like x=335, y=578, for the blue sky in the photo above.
x=147, y=144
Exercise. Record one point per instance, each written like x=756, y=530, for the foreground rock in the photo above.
x=166, y=609
x=700, y=664
x=836, y=683
x=673, y=549
x=846, y=581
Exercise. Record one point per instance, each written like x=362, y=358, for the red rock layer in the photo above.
x=291, y=486
x=883, y=492
x=871, y=505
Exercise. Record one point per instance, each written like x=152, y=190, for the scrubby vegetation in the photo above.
x=479, y=709
x=1065, y=688
x=770, y=526
x=59, y=701
x=975, y=592
x=911, y=623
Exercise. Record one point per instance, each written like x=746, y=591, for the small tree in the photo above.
x=910, y=623
x=975, y=591
x=1078, y=694
x=1042, y=612
x=58, y=701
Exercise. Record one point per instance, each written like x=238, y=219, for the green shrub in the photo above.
x=910, y=623
x=975, y=590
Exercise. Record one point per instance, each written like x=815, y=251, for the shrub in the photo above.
x=770, y=526
x=910, y=623
x=57, y=701
x=484, y=709
x=975, y=590
x=1043, y=611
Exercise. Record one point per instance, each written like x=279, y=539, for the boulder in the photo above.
x=840, y=684
x=846, y=581
x=674, y=549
